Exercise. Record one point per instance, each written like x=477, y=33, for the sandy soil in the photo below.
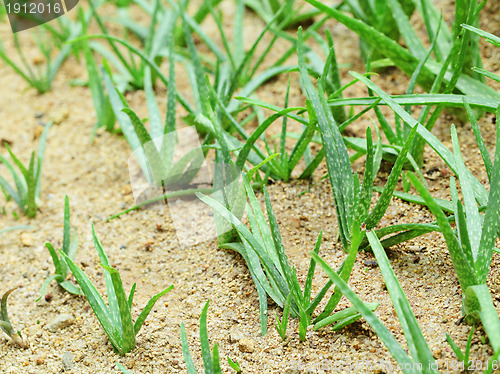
x=144, y=247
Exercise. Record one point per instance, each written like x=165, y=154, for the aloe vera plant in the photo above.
x=206, y=115
x=267, y=262
x=471, y=246
x=263, y=251
x=280, y=167
x=70, y=245
x=154, y=149
x=27, y=182
x=211, y=359
x=283, y=166
x=420, y=359
x=48, y=41
x=396, y=138
x=104, y=111
x=446, y=51
x=379, y=15
x=116, y=319
x=353, y=198
x=455, y=52
x=443, y=152
x=233, y=70
x=462, y=356
x=133, y=72
x=6, y=325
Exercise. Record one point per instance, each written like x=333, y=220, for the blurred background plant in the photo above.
x=27, y=182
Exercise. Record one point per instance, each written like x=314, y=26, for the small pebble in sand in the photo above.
x=60, y=322
x=147, y=245
x=294, y=223
x=59, y=115
x=437, y=353
x=67, y=361
x=38, y=132
x=26, y=239
x=246, y=345
x=235, y=336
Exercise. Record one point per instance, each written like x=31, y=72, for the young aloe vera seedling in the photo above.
x=5, y=322
x=352, y=198
x=116, y=319
x=380, y=17
x=282, y=324
x=471, y=245
x=281, y=167
x=449, y=44
x=263, y=251
x=47, y=38
x=155, y=149
x=233, y=70
x=104, y=111
x=70, y=245
x=421, y=359
x=462, y=356
x=27, y=183
x=455, y=52
x=211, y=359
x=133, y=72
x=480, y=192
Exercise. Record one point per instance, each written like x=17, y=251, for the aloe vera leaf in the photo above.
x=145, y=312
x=185, y=351
x=125, y=320
x=464, y=270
